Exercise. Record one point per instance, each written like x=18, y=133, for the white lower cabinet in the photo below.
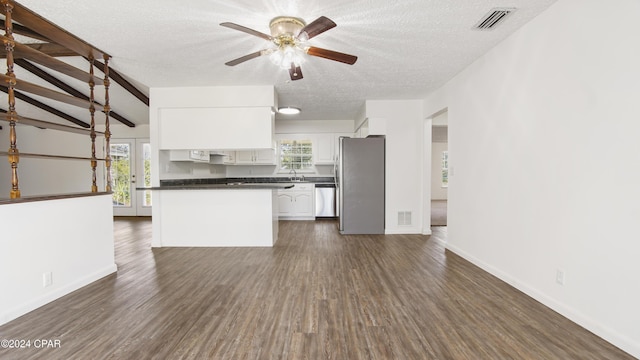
x=297, y=203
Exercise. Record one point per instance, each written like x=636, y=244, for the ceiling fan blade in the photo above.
x=332, y=55
x=295, y=72
x=246, y=30
x=246, y=57
x=317, y=27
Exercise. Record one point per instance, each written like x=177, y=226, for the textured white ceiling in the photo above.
x=405, y=49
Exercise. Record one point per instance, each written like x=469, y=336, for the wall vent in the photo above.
x=404, y=218
x=493, y=18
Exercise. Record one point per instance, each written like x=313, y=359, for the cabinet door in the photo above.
x=199, y=155
x=265, y=156
x=244, y=157
x=303, y=204
x=285, y=203
x=324, y=148
x=229, y=157
x=179, y=155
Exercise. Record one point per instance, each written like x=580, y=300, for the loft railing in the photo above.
x=42, y=29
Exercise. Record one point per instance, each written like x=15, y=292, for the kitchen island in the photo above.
x=216, y=215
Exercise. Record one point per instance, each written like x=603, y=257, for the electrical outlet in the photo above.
x=47, y=279
x=560, y=276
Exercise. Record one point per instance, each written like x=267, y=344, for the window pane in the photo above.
x=445, y=168
x=146, y=156
x=121, y=174
x=296, y=154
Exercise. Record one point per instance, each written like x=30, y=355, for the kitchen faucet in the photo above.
x=295, y=175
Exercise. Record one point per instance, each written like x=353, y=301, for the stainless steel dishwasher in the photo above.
x=325, y=200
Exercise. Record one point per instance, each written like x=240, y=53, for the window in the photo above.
x=445, y=169
x=121, y=174
x=146, y=156
x=296, y=155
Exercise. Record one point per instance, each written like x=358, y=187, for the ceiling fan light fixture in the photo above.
x=286, y=25
x=288, y=39
x=288, y=110
x=283, y=56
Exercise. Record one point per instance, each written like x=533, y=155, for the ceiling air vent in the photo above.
x=493, y=18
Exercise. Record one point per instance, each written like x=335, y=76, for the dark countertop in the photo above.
x=225, y=186
x=244, y=180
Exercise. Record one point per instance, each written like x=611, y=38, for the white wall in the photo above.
x=402, y=122
x=70, y=238
x=123, y=131
x=314, y=126
x=543, y=149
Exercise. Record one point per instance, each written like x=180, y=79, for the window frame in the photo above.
x=444, y=167
x=310, y=168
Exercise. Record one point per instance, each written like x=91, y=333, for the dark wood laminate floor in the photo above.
x=315, y=295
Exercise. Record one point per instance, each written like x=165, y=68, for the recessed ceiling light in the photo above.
x=289, y=110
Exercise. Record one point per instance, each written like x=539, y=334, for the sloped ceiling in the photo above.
x=405, y=49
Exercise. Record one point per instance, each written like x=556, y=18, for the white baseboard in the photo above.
x=619, y=340
x=403, y=230
x=57, y=293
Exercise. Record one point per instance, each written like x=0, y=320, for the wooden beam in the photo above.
x=50, y=49
x=46, y=107
x=65, y=87
x=45, y=92
x=123, y=82
x=55, y=33
x=5, y=117
x=48, y=125
x=21, y=30
x=46, y=156
x=52, y=63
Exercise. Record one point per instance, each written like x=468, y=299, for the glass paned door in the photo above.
x=130, y=161
x=143, y=171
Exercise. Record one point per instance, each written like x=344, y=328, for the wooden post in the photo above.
x=92, y=110
x=107, y=132
x=14, y=154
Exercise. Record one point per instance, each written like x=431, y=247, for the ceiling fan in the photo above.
x=289, y=35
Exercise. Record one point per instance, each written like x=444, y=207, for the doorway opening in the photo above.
x=439, y=169
x=131, y=169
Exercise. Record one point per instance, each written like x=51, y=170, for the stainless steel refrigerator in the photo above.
x=359, y=174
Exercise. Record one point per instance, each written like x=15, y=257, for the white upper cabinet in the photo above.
x=265, y=156
x=189, y=155
x=227, y=118
x=215, y=128
x=326, y=148
x=256, y=157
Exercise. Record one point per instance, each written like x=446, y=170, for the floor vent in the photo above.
x=493, y=18
x=404, y=218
